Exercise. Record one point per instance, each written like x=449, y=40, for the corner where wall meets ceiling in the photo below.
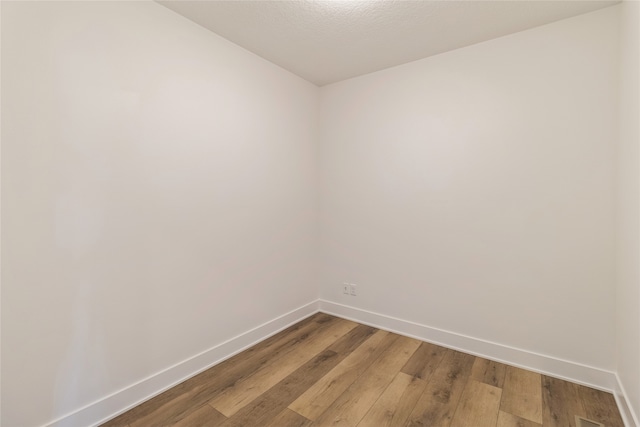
x=328, y=41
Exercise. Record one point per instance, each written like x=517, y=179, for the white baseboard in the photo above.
x=113, y=405
x=630, y=418
x=547, y=365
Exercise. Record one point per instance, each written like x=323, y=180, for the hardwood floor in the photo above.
x=327, y=371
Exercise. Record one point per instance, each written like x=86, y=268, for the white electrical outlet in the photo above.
x=346, y=288
x=353, y=290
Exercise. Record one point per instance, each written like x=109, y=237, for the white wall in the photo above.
x=158, y=188
x=628, y=244
x=159, y=195
x=473, y=191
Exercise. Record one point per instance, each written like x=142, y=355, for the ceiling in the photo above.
x=326, y=41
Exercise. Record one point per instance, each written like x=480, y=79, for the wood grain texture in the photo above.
x=479, y=406
x=509, y=420
x=395, y=404
x=352, y=405
x=440, y=399
x=267, y=406
x=600, y=406
x=424, y=361
x=244, y=391
x=179, y=401
x=522, y=394
x=115, y=422
x=288, y=418
x=322, y=394
x=488, y=372
x=206, y=416
x=561, y=403
x=344, y=374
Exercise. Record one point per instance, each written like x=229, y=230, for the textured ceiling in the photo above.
x=329, y=41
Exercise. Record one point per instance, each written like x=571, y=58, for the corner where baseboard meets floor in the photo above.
x=120, y=401
x=547, y=365
x=630, y=418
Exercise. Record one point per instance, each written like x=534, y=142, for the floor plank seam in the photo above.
x=367, y=377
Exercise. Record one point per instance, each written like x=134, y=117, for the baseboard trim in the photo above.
x=121, y=401
x=630, y=418
x=547, y=365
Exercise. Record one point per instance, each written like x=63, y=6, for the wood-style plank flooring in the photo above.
x=327, y=371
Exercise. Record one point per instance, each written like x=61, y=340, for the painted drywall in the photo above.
x=628, y=211
x=158, y=188
x=160, y=196
x=473, y=191
x=325, y=41
x=0, y=216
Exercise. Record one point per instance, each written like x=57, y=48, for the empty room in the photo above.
x=320, y=213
